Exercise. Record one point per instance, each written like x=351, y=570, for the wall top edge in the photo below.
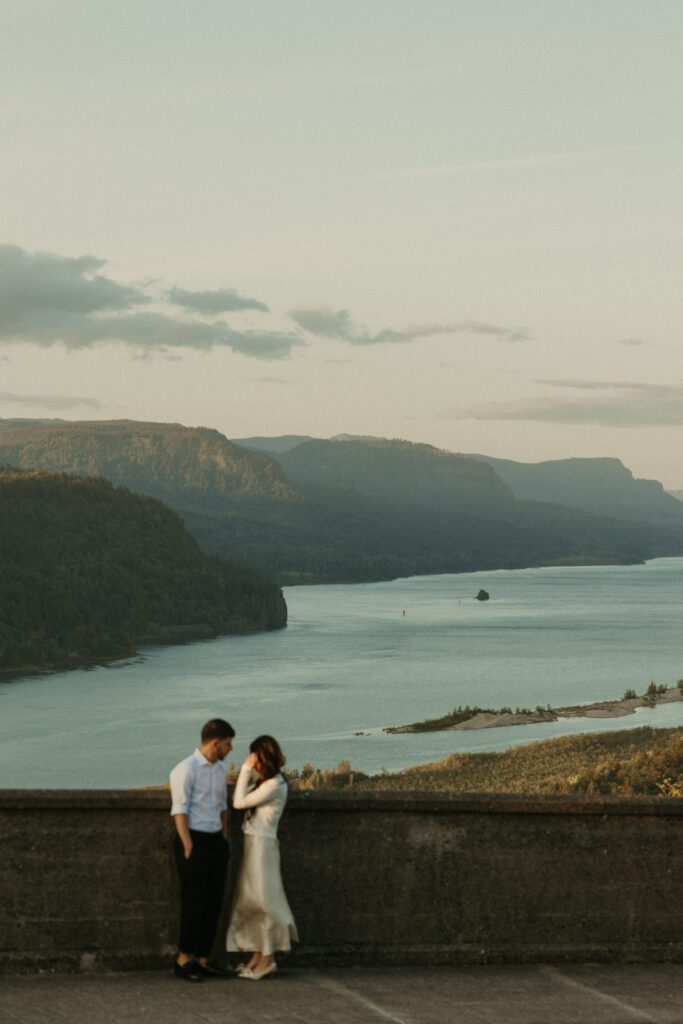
x=453, y=803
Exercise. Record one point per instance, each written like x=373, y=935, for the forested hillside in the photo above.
x=88, y=570
x=330, y=511
x=397, y=473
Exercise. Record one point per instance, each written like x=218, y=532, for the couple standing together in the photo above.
x=261, y=922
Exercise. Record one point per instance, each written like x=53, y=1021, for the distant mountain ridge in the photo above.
x=271, y=445
x=396, y=472
x=336, y=510
x=602, y=485
x=164, y=460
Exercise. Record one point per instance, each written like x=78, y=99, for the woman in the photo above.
x=261, y=920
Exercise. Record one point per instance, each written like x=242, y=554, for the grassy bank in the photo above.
x=643, y=761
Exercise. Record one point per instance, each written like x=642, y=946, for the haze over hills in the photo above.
x=88, y=571
x=338, y=510
x=283, y=443
x=397, y=473
x=603, y=486
x=271, y=445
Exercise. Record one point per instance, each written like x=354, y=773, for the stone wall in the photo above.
x=87, y=878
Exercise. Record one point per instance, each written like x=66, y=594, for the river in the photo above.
x=349, y=662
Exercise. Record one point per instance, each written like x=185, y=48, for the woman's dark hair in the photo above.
x=271, y=758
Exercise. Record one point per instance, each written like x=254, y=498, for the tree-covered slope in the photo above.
x=88, y=570
x=396, y=473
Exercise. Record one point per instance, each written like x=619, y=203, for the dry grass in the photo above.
x=628, y=762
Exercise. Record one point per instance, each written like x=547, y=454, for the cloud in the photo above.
x=475, y=166
x=326, y=322
x=597, y=385
x=632, y=341
x=225, y=300
x=49, y=401
x=41, y=283
x=623, y=405
x=271, y=380
x=46, y=299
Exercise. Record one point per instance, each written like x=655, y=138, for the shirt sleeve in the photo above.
x=244, y=799
x=181, y=789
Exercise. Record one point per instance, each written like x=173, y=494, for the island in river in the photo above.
x=463, y=718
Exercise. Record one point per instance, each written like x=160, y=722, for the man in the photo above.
x=200, y=815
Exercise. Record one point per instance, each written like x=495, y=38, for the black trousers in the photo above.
x=202, y=884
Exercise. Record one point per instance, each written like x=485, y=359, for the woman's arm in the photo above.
x=263, y=794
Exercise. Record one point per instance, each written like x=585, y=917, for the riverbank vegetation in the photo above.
x=487, y=718
x=631, y=762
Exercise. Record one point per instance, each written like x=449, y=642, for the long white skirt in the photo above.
x=261, y=919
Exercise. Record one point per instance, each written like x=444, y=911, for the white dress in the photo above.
x=261, y=919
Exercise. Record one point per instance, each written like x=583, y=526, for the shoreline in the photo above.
x=486, y=719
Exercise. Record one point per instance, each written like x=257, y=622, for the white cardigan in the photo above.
x=265, y=802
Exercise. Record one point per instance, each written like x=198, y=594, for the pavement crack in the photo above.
x=557, y=975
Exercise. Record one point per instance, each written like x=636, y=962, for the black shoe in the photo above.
x=191, y=971
x=207, y=971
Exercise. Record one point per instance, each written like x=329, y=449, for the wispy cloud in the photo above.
x=326, y=322
x=479, y=166
x=61, y=402
x=620, y=405
x=46, y=299
x=577, y=384
x=271, y=380
x=632, y=341
x=212, y=303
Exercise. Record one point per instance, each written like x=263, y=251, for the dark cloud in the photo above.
x=225, y=300
x=329, y=323
x=46, y=299
x=40, y=285
x=632, y=341
x=620, y=405
x=50, y=401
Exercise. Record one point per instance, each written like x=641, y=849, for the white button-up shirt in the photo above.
x=198, y=789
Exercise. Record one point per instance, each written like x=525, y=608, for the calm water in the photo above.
x=350, y=662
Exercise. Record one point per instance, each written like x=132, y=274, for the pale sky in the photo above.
x=457, y=222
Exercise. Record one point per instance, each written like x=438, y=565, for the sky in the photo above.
x=457, y=222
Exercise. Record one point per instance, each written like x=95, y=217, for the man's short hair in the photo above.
x=217, y=729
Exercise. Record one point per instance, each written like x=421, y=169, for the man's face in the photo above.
x=223, y=748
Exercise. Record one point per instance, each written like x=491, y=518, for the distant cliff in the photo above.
x=603, y=486
x=179, y=465
x=88, y=571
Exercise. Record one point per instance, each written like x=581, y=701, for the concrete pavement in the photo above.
x=530, y=994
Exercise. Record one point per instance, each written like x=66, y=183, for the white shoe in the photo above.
x=251, y=975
